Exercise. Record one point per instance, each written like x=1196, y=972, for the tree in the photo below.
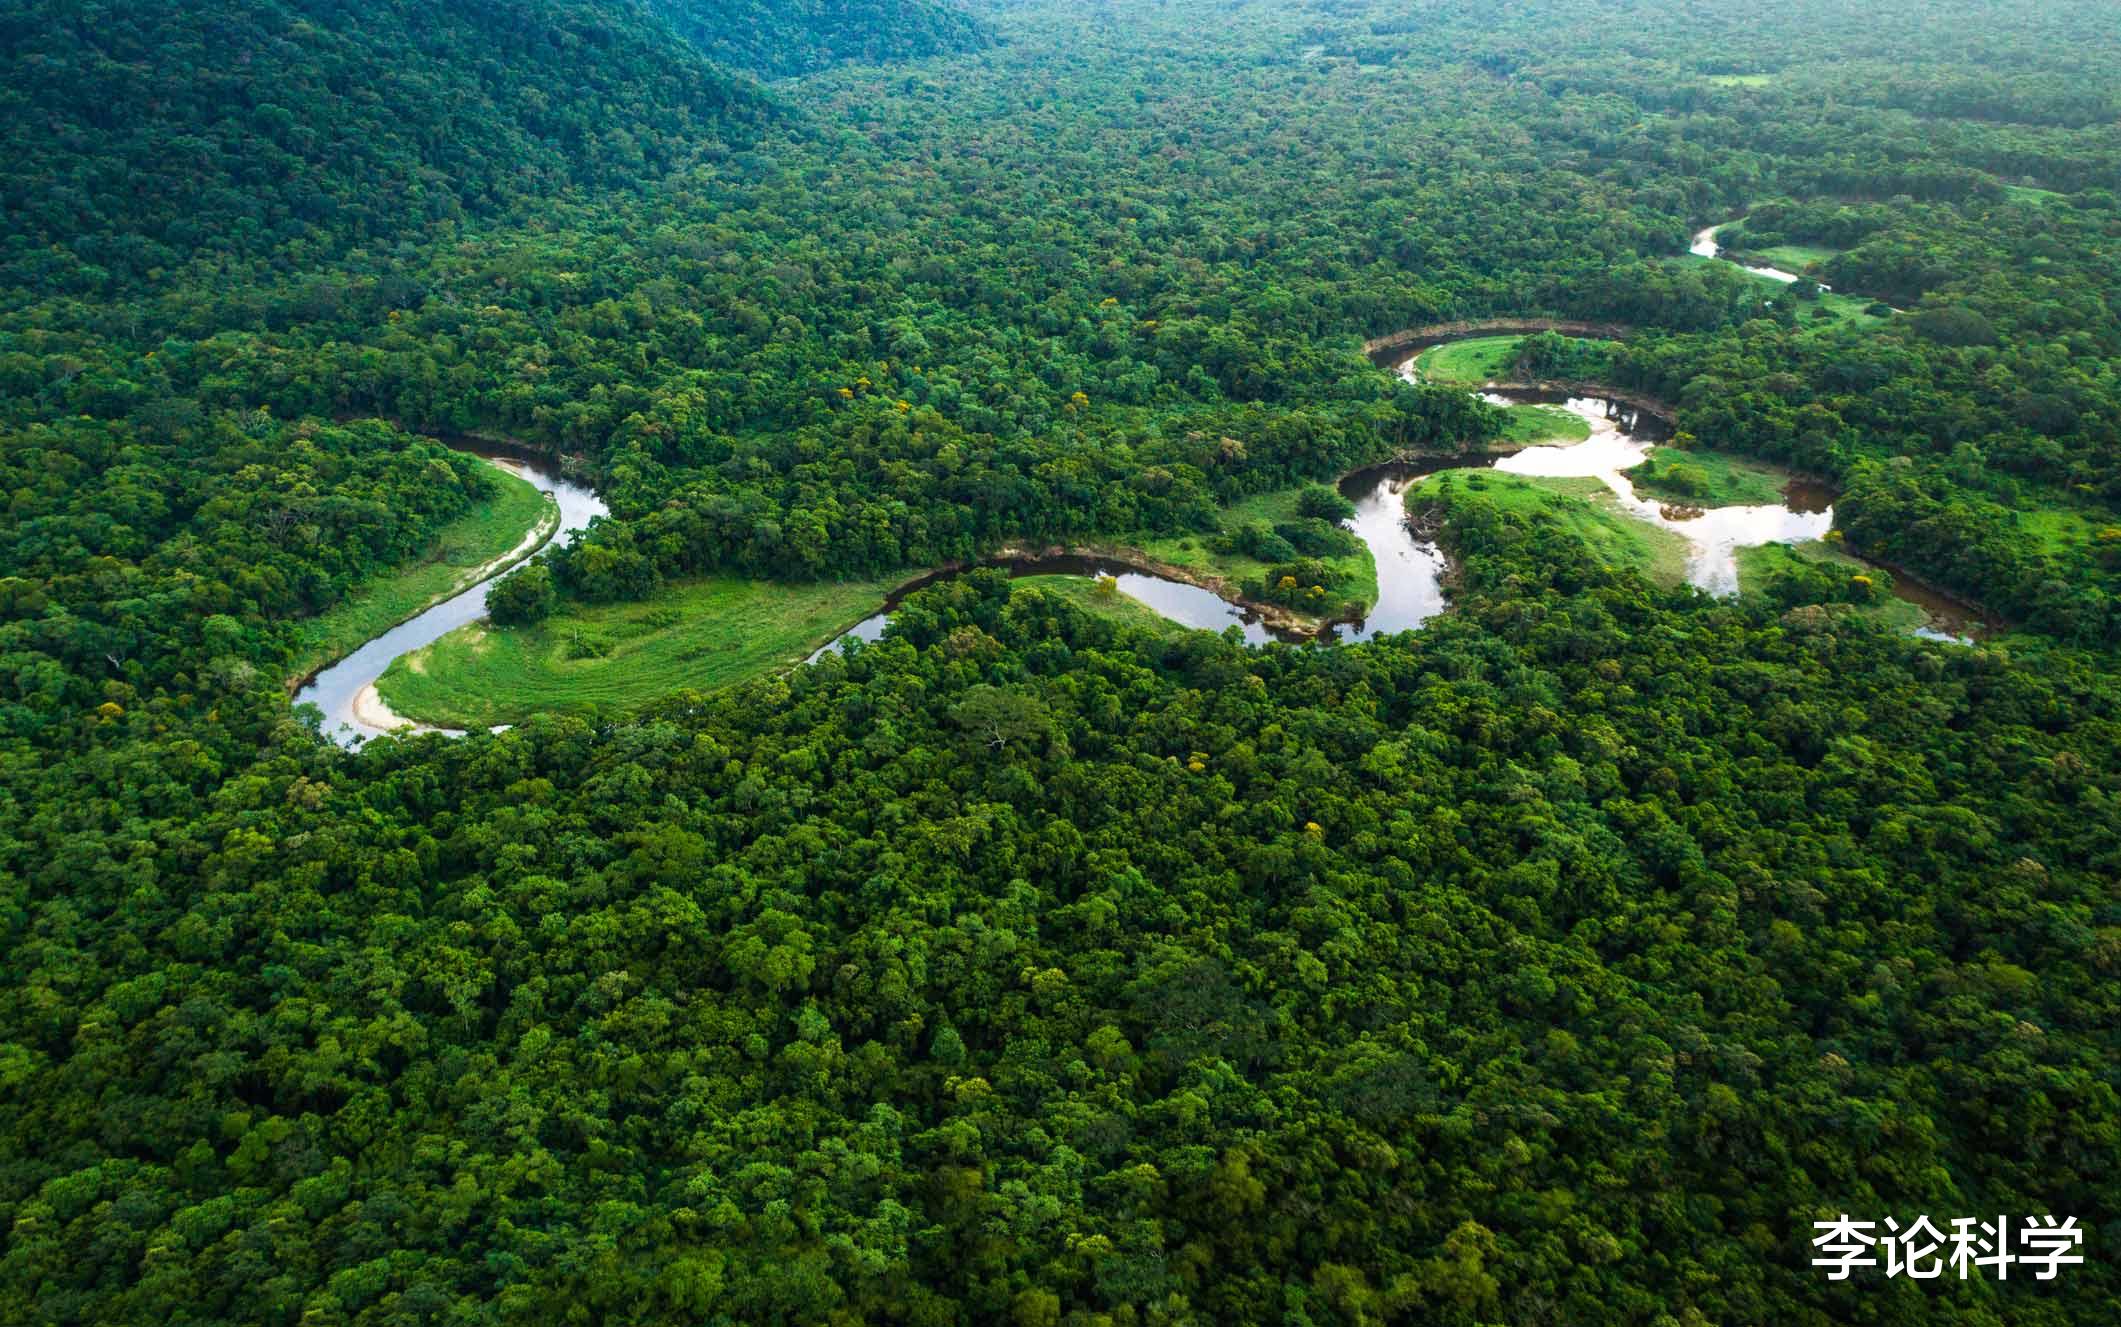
x=1322, y=503
x=523, y=596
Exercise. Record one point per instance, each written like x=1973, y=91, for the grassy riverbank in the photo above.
x=697, y=635
x=1113, y=604
x=1355, y=573
x=1469, y=363
x=489, y=531
x=1794, y=257
x=1479, y=360
x=1708, y=479
x=1758, y=566
x=1543, y=425
x=1840, y=310
x=1585, y=507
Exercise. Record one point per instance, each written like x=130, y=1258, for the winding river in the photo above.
x=1411, y=568
x=1705, y=246
x=346, y=691
x=1187, y=605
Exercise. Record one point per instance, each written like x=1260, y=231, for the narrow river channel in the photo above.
x=1705, y=246
x=1411, y=567
x=345, y=691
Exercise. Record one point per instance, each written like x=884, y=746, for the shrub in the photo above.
x=523, y=596
x=1322, y=503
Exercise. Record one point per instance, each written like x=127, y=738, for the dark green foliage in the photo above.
x=143, y=555
x=1316, y=538
x=1321, y=503
x=1556, y=964
x=523, y=596
x=1954, y=325
x=1255, y=539
x=951, y=936
x=1305, y=583
x=141, y=135
x=780, y=38
x=1805, y=581
x=1550, y=355
x=1688, y=480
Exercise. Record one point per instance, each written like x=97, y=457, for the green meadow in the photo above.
x=472, y=541
x=695, y=635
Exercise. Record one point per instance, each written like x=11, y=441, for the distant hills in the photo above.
x=782, y=38
x=141, y=136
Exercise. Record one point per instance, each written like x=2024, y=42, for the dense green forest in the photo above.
x=787, y=37
x=1560, y=962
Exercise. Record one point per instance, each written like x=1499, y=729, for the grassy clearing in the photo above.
x=1757, y=566
x=1355, y=573
x=489, y=531
x=1585, y=507
x=1531, y=425
x=1741, y=80
x=1121, y=608
x=701, y=634
x=1469, y=363
x=1841, y=310
x=2058, y=528
x=1708, y=478
x=2019, y=193
x=1795, y=257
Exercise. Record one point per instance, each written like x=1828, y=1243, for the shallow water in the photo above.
x=1715, y=534
x=335, y=689
x=1410, y=566
x=1705, y=246
x=1187, y=605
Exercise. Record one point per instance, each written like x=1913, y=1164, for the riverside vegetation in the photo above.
x=1559, y=962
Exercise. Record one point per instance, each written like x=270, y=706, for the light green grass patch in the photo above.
x=2058, y=528
x=1758, y=565
x=1583, y=506
x=1795, y=257
x=1705, y=478
x=1470, y=362
x=1355, y=573
x=1110, y=603
x=489, y=531
x=1534, y=425
x=587, y=658
x=2020, y=193
x=1741, y=80
x=1842, y=310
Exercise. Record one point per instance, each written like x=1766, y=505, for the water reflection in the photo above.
x=1410, y=567
x=1705, y=246
x=1187, y=605
x=1714, y=535
x=344, y=691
